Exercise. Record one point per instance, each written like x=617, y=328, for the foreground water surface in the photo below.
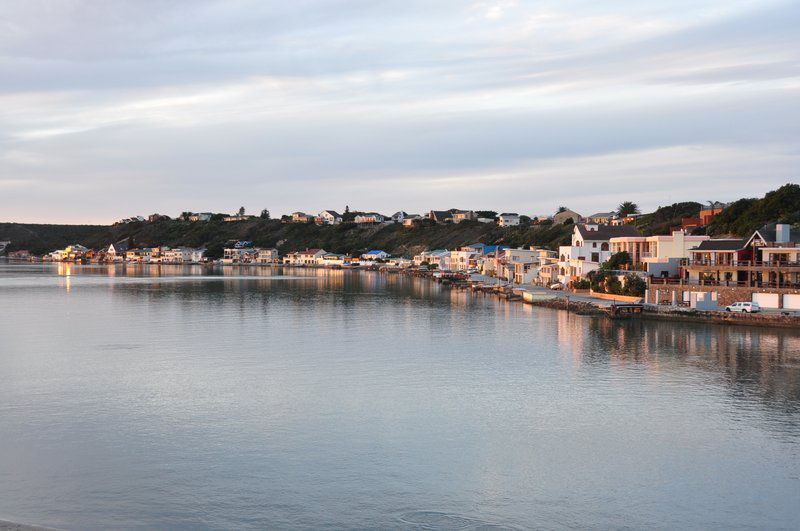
x=189, y=397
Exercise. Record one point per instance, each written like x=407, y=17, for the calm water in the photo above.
x=187, y=398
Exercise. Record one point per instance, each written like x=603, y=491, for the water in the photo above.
x=255, y=398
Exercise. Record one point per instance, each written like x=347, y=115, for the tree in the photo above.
x=488, y=214
x=561, y=209
x=241, y=211
x=634, y=286
x=568, y=221
x=524, y=220
x=626, y=208
x=617, y=261
x=265, y=214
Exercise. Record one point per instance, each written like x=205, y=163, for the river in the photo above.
x=200, y=398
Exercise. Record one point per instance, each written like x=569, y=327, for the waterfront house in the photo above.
x=590, y=246
x=564, y=215
x=267, y=256
x=764, y=268
x=309, y=257
x=369, y=218
x=138, y=256
x=438, y=258
x=329, y=217
x=508, y=219
x=375, y=254
x=657, y=255
x=116, y=251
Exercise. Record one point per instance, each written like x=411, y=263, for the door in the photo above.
x=767, y=300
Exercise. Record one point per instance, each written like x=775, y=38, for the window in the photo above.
x=594, y=244
x=604, y=247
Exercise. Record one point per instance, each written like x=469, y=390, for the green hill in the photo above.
x=746, y=215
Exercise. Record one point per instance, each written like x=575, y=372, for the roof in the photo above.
x=310, y=251
x=400, y=213
x=509, y=214
x=376, y=251
x=606, y=232
x=603, y=215
x=440, y=215
x=494, y=248
x=768, y=233
x=332, y=213
x=721, y=245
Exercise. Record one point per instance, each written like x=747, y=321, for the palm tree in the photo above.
x=626, y=208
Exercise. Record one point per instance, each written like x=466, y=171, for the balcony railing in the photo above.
x=655, y=282
x=740, y=263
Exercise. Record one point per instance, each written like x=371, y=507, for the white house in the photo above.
x=200, y=216
x=589, y=248
x=116, y=251
x=658, y=255
x=466, y=257
x=375, y=254
x=329, y=217
x=508, y=219
x=440, y=258
x=309, y=257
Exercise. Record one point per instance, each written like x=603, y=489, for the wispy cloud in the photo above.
x=399, y=104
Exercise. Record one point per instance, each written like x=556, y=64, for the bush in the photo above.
x=582, y=283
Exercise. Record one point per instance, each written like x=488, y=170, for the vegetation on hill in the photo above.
x=739, y=218
x=343, y=238
x=744, y=216
x=664, y=219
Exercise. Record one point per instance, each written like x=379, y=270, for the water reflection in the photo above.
x=193, y=396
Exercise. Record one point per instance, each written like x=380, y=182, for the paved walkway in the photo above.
x=544, y=293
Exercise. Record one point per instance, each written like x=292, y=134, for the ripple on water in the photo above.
x=441, y=520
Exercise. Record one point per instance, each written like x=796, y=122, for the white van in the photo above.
x=743, y=307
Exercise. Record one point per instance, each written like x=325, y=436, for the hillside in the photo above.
x=746, y=215
x=344, y=238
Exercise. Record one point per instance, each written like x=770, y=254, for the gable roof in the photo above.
x=332, y=213
x=736, y=244
x=603, y=215
x=606, y=232
x=768, y=233
x=509, y=214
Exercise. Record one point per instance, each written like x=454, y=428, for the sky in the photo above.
x=114, y=108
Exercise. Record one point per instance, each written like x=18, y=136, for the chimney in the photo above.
x=782, y=232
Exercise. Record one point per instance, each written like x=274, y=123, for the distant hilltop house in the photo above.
x=400, y=217
x=602, y=218
x=199, y=216
x=237, y=217
x=508, y=219
x=301, y=217
x=152, y=218
x=411, y=219
x=328, y=217
x=564, y=215
x=133, y=219
x=368, y=218
x=708, y=213
x=454, y=215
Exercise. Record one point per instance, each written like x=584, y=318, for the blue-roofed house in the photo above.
x=375, y=254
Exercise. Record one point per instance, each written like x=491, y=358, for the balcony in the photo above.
x=741, y=265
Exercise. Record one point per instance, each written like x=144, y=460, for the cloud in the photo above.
x=393, y=105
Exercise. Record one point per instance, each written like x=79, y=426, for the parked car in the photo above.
x=743, y=307
x=556, y=286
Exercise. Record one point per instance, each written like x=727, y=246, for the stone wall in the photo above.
x=726, y=295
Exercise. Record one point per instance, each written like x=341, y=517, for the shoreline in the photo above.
x=577, y=303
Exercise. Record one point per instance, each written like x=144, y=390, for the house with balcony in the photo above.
x=438, y=258
x=657, y=255
x=309, y=257
x=764, y=268
x=590, y=246
x=267, y=256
